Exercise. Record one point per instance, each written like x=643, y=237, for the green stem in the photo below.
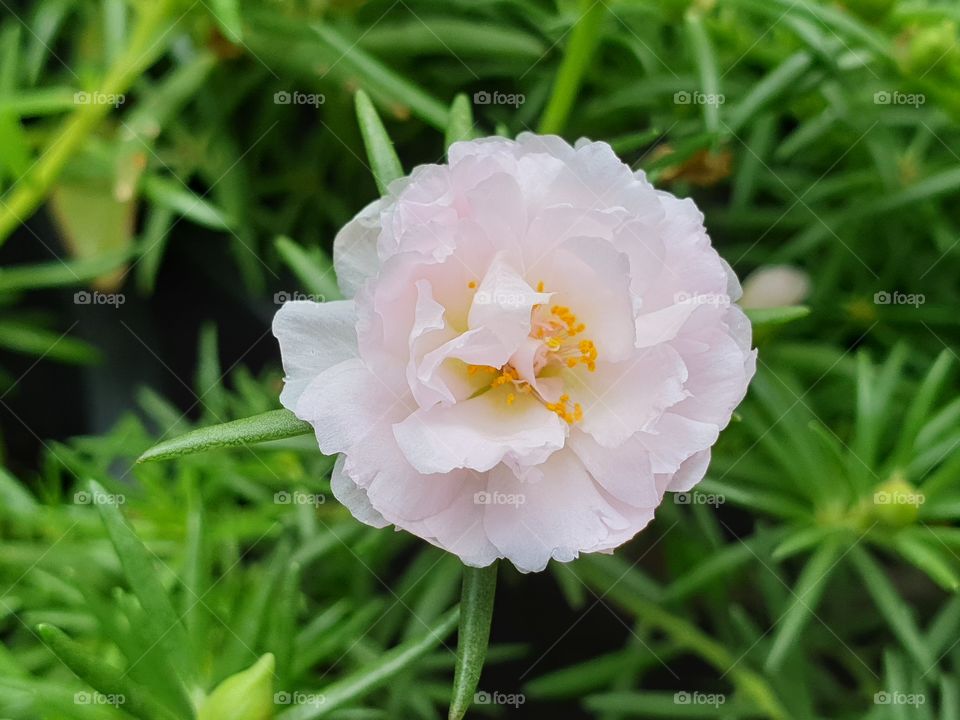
x=684, y=634
x=476, y=613
x=30, y=191
x=584, y=39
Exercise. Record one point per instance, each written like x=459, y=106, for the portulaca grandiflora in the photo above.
x=536, y=347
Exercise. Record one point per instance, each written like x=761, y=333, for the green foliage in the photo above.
x=812, y=574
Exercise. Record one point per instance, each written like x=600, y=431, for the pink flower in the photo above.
x=537, y=347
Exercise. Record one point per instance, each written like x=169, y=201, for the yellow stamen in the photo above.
x=472, y=284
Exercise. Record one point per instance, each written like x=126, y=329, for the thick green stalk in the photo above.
x=476, y=613
x=145, y=44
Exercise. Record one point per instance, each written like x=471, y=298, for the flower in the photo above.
x=773, y=286
x=538, y=345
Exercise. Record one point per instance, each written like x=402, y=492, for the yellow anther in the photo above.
x=510, y=398
x=540, y=286
x=472, y=284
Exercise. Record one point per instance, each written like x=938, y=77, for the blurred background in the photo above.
x=171, y=171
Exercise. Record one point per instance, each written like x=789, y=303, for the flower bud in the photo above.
x=248, y=695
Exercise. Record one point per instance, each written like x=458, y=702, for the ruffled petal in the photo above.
x=479, y=433
x=355, y=249
x=313, y=337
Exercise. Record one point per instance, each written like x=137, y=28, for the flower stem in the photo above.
x=476, y=613
x=30, y=190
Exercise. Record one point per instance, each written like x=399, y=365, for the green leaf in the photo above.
x=272, y=425
x=227, y=15
x=31, y=340
x=707, y=67
x=476, y=613
x=892, y=607
x=16, y=154
x=779, y=81
x=460, y=121
x=804, y=600
x=103, y=677
x=930, y=558
x=584, y=38
x=383, y=158
x=720, y=564
x=175, y=196
x=763, y=317
x=313, y=270
x=368, y=678
x=162, y=623
x=61, y=273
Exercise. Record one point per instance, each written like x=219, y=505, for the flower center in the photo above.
x=559, y=333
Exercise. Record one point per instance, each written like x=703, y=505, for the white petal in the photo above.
x=313, y=337
x=558, y=517
x=625, y=471
x=355, y=249
x=479, y=433
x=353, y=497
x=621, y=399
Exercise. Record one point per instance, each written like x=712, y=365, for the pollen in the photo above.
x=563, y=409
